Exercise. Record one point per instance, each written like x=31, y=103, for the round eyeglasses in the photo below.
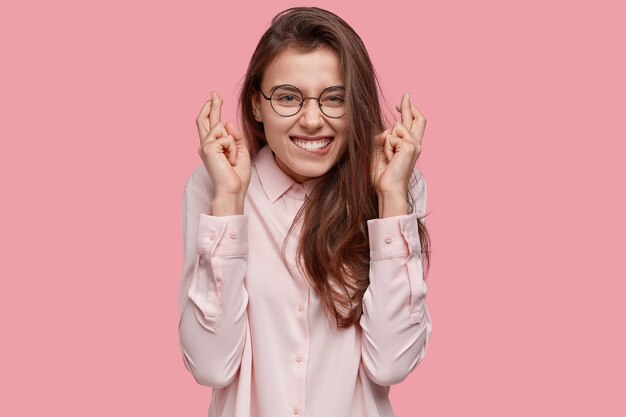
x=287, y=100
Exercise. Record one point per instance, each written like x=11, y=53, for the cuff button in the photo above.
x=388, y=239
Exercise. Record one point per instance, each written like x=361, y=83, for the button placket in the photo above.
x=293, y=200
x=299, y=363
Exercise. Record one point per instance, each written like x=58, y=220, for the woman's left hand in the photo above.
x=396, y=151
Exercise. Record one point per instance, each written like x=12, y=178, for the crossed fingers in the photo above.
x=412, y=121
x=209, y=116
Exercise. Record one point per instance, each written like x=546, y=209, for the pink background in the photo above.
x=522, y=154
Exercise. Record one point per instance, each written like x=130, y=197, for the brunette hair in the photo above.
x=333, y=254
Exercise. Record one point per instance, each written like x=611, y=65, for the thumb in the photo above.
x=230, y=128
x=384, y=133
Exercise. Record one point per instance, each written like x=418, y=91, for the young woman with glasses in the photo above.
x=305, y=249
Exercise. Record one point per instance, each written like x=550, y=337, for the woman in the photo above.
x=303, y=288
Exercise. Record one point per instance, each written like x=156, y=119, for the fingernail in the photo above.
x=213, y=94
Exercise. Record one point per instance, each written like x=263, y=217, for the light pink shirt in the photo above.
x=252, y=329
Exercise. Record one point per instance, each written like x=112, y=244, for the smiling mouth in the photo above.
x=311, y=145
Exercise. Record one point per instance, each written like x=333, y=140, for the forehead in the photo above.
x=309, y=71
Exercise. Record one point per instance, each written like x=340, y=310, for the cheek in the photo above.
x=343, y=134
x=273, y=126
x=276, y=134
x=344, y=143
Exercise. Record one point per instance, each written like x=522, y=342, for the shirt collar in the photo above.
x=273, y=180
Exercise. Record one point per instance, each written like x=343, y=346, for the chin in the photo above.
x=306, y=171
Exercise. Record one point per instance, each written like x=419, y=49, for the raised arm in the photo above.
x=396, y=323
x=212, y=297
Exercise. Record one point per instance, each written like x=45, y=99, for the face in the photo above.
x=307, y=144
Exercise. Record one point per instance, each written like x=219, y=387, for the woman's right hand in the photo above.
x=226, y=158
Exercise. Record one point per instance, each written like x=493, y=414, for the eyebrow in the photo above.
x=334, y=87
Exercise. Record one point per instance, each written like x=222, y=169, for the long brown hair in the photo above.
x=333, y=252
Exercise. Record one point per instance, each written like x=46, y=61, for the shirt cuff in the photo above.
x=223, y=235
x=393, y=237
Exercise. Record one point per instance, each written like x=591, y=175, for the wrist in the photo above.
x=392, y=204
x=227, y=205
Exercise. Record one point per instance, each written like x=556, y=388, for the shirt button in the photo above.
x=212, y=235
x=296, y=410
x=388, y=239
x=233, y=235
x=299, y=357
x=301, y=307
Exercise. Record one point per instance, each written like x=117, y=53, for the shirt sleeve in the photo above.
x=212, y=296
x=396, y=323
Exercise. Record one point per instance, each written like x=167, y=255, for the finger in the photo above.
x=217, y=132
x=384, y=133
x=407, y=117
x=417, y=127
x=379, y=140
x=388, y=148
x=419, y=123
x=216, y=109
x=202, y=121
x=399, y=145
x=207, y=143
x=232, y=130
x=229, y=148
x=403, y=133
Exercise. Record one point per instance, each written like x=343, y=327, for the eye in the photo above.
x=337, y=99
x=287, y=98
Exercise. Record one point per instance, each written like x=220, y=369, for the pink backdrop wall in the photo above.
x=523, y=154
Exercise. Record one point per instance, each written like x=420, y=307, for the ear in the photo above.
x=256, y=107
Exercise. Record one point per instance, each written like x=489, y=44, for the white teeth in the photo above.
x=311, y=145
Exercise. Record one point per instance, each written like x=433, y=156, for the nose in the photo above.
x=312, y=116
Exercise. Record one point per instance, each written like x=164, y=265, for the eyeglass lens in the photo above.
x=287, y=100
